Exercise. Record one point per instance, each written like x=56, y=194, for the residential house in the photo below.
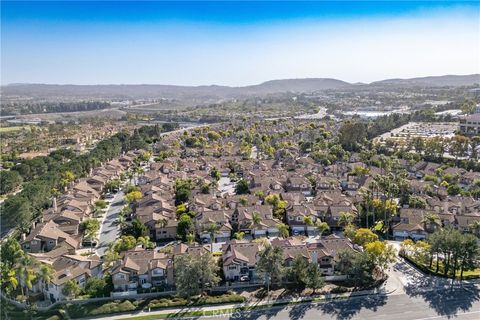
x=239, y=259
x=142, y=268
x=46, y=236
x=267, y=224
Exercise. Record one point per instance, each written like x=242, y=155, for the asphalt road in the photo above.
x=412, y=296
x=460, y=303
x=110, y=230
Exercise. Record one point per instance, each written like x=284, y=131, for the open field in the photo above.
x=12, y=129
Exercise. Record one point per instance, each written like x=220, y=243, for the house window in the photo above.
x=232, y=267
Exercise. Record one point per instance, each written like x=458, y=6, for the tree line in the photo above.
x=15, y=108
x=21, y=209
x=447, y=252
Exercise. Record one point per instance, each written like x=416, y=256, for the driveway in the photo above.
x=110, y=230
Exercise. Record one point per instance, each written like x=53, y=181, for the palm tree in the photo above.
x=212, y=229
x=190, y=238
x=366, y=203
x=374, y=188
x=256, y=218
x=283, y=230
x=322, y=227
x=239, y=235
x=308, y=220
x=25, y=272
x=110, y=256
x=345, y=219
x=162, y=223
x=45, y=274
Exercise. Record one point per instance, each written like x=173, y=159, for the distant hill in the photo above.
x=170, y=91
x=434, y=81
x=197, y=94
x=295, y=85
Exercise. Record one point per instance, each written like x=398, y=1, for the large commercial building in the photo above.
x=470, y=125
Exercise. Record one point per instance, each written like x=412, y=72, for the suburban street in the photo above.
x=460, y=303
x=109, y=230
x=407, y=295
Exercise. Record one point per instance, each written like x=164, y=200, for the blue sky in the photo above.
x=235, y=43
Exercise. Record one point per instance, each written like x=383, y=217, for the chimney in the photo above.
x=24, y=236
x=445, y=206
x=55, y=208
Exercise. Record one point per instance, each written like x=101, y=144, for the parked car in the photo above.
x=245, y=278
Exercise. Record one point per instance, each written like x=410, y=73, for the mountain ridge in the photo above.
x=298, y=85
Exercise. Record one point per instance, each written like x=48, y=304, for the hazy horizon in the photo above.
x=221, y=85
x=236, y=44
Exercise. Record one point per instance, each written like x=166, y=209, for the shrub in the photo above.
x=167, y=302
x=339, y=290
x=113, y=307
x=226, y=298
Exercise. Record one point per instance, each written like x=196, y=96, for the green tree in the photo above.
x=314, y=279
x=308, y=220
x=212, y=229
x=136, y=229
x=185, y=226
x=322, y=227
x=133, y=196
x=9, y=181
x=270, y=265
x=298, y=270
x=431, y=221
x=45, y=274
x=96, y=287
x=182, y=191
x=352, y=134
x=364, y=236
x=26, y=272
x=214, y=173
x=202, y=268
x=256, y=218
x=382, y=254
x=242, y=187
x=417, y=202
x=283, y=230
x=239, y=235
x=124, y=243
x=71, y=289
x=90, y=229
x=345, y=219
x=113, y=185
x=8, y=278
x=357, y=266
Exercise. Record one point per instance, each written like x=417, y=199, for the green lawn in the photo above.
x=466, y=274
x=11, y=129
